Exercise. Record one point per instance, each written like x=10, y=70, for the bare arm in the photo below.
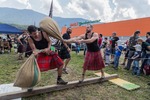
x=134, y=57
x=18, y=39
x=8, y=45
x=32, y=45
x=72, y=40
x=48, y=40
x=95, y=36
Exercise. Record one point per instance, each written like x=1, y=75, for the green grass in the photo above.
x=9, y=66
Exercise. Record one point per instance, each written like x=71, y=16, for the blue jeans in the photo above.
x=77, y=50
x=136, y=68
x=116, y=61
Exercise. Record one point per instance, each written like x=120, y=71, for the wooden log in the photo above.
x=51, y=88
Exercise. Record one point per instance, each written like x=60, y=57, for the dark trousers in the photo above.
x=131, y=53
x=116, y=61
x=144, y=62
x=84, y=51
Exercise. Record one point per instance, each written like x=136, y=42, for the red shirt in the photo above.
x=110, y=41
x=99, y=41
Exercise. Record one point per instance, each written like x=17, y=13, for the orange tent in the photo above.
x=122, y=28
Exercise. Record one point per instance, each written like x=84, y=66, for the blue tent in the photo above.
x=8, y=29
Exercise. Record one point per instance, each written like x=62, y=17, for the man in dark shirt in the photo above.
x=143, y=49
x=132, y=43
x=64, y=52
x=146, y=47
x=148, y=41
x=148, y=37
x=114, y=41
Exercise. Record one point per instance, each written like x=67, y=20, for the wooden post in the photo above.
x=51, y=88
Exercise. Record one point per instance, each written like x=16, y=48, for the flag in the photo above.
x=51, y=10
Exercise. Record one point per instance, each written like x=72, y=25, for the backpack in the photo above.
x=146, y=68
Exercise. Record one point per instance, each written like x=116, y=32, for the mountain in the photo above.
x=30, y=17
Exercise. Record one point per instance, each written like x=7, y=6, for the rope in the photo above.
x=128, y=57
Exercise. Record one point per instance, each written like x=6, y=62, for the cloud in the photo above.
x=130, y=9
x=57, y=8
x=77, y=7
x=149, y=2
x=29, y=6
x=1, y=1
x=23, y=1
x=106, y=10
x=26, y=3
x=109, y=10
x=19, y=4
x=91, y=9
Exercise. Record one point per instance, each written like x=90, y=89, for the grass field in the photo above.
x=9, y=65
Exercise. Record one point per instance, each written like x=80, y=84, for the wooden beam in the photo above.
x=122, y=83
x=51, y=88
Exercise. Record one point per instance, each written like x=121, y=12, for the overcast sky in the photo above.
x=106, y=10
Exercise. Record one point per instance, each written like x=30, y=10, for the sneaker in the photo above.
x=61, y=81
x=102, y=77
x=30, y=89
x=65, y=71
x=80, y=81
x=116, y=68
x=112, y=63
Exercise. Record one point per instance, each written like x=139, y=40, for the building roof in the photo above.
x=122, y=28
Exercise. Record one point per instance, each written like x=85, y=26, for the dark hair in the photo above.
x=100, y=35
x=32, y=28
x=8, y=36
x=148, y=33
x=114, y=33
x=39, y=29
x=136, y=32
x=68, y=28
x=106, y=38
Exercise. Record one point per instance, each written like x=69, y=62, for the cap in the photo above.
x=140, y=39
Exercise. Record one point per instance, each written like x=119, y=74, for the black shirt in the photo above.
x=92, y=47
x=66, y=36
x=23, y=40
x=145, y=46
x=42, y=44
x=114, y=40
x=148, y=40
